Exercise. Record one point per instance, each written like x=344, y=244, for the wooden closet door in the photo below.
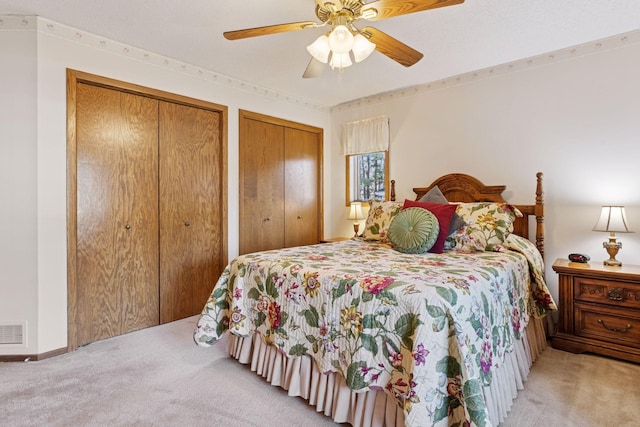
x=190, y=208
x=261, y=186
x=117, y=213
x=302, y=188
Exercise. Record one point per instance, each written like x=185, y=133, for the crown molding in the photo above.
x=18, y=23
x=55, y=29
x=585, y=49
x=45, y=26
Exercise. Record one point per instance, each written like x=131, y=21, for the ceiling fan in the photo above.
x=344, y=37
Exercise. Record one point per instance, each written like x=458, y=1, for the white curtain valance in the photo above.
x=365, y=136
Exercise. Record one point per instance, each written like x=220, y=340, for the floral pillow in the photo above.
x=487, y=226
x=380, y=215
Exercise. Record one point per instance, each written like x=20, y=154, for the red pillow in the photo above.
x=443, y=213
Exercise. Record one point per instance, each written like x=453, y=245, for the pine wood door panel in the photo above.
x=190, y=208
x=302, y=189
x=261, y=186
x=117, y=238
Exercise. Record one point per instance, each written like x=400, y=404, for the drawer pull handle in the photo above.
x=609, y=328
x=615, y=294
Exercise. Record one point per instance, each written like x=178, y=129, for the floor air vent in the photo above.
x=13, y=333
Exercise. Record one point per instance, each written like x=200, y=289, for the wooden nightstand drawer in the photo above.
x=618, y=294
x=614, y=325
x=599, y=309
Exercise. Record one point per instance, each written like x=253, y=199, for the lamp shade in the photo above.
x=355, y=212
x=319, y=49
x=340, y=60
x=338, y=44
x=613, y=219
x=340, y=39
x=362, y=47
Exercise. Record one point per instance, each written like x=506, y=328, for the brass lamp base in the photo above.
x=356, y=227
x=612, y=248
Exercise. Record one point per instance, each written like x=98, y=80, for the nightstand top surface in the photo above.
x=563, y=265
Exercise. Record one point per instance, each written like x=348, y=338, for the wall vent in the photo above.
x=13, y=334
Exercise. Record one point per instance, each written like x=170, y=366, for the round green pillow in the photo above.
x=413, y=231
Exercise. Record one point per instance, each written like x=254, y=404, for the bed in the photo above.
x=373, y=334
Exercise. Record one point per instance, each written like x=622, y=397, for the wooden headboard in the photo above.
x=458, y=187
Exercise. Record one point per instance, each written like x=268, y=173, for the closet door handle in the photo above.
x=128, y=227
x=268, y=218
x=299, y=216
x=187, y=223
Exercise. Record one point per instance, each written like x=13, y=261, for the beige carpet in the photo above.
x=159, y=377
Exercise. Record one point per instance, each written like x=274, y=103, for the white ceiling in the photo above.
x=458, y=39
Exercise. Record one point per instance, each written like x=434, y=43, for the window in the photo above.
x=365, y=145
x=367, y=176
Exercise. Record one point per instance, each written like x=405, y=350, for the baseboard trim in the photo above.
x=32, y=357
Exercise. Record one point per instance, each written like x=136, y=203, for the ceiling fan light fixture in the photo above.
x=362, y=47
x=341, y=39
x=345, y=36
x=320, y=49
x=340, y=61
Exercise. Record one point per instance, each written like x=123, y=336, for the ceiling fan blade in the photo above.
x=270, y=29
x=391, y=47
x=314, y=69
x=390, y=8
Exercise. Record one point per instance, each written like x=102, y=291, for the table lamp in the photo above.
x=355, y=213
x=614, y=220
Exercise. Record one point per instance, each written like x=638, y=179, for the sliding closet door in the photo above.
x=302, y=189
x=190, y=208
x=117, y=213
x=261, y=186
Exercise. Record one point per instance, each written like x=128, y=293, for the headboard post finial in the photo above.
x=539, y=212
x=393, y=190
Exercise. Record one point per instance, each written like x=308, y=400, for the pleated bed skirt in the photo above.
x=330, y=395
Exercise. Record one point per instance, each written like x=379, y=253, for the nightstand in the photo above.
x=599, y=309
x=334, y=239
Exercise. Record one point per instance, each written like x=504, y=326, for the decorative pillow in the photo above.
x=487, y=226
x=413, y=231
x=380, y=215
x=435, y=196
x=444, y=214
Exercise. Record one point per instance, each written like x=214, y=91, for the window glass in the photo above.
x=367, y=176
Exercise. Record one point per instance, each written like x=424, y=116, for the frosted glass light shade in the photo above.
x=319, y=49
x=340, y=39
x=340, y=60
x=335, y=47
x=362, y=47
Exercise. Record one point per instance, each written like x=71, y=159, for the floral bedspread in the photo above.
x=428, y=329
